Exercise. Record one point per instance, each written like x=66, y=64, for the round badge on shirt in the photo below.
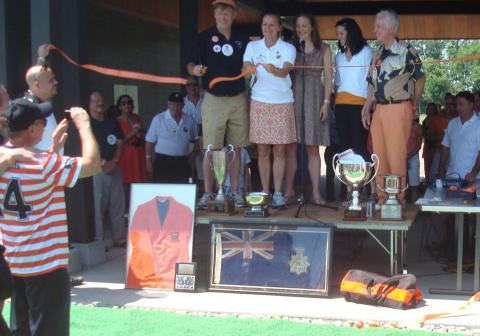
x=215, y=39
x=217, y=48
x=111, y=139
x=227, y=50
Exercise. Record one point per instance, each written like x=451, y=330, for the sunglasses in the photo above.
x=126, y=102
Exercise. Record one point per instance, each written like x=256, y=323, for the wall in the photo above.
x=117, y=40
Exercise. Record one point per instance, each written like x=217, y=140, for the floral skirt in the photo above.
x=272, y=124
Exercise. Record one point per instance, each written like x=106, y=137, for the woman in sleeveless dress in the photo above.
x=312, y=101
x=132, y=164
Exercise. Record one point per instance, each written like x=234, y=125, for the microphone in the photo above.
x=302, y=45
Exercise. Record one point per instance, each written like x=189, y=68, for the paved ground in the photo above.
x=104, y=286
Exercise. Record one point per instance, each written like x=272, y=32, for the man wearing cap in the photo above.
x=108, y=194
x=33, y=222
x=168, y=143
x=218, y=52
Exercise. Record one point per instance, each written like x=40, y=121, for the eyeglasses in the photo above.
x=126, y=102
x=191, y=84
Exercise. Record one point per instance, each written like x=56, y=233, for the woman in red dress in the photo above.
x=133, y=158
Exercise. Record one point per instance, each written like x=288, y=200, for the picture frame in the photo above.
x=160, y=233
x=284, y=258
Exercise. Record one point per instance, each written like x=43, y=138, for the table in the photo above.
x=435, y=200
x=323, y=216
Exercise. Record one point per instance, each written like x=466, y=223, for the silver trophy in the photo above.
x=392, y=186
x=220, y=161
x=257, y=202
x=355, y=175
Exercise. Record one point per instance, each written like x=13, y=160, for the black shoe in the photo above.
x=76, y=280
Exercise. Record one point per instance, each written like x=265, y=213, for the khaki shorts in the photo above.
x=225, y=121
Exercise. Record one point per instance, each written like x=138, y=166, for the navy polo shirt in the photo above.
x=222, y=57
x=107, y=133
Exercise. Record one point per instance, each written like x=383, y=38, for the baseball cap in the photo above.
x=22, y=113
x=225, y=2
x=176, y=97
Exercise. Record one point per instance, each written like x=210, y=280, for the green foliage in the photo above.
x=448, y=77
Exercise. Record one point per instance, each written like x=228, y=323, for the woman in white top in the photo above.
x=272, y=121
x=352, y=61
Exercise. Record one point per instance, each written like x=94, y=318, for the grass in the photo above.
x=93, y=321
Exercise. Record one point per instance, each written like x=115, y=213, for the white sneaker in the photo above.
x=238, y=199
x=278, y=201
x=202, y=203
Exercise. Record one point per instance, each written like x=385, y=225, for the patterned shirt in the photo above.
x=394, y=71
x=33, y=219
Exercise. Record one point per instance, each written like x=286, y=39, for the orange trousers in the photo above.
x=390, y=130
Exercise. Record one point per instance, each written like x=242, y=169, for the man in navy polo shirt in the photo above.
x=218, y=52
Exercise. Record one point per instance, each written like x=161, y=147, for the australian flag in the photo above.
x=272, y=258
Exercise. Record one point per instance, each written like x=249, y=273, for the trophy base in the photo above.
x=259, y=213
x=391, y=212
x=354, y=215
x=225, y=207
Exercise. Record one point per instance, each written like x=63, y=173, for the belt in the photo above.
x=171, y=157
x=386, y=102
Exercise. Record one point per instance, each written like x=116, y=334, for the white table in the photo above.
x=435, y=201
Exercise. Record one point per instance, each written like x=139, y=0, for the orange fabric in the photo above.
x=347, y=98
x=243, y=74
x=122, y=73
x=437, y=126
x=157, y=246
x=396, y=294
x=132, y=163
x=390, y=130
x=470, y=301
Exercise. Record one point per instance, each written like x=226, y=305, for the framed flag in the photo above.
x=160, y=233
x=282, y=258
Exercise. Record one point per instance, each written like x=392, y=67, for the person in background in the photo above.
x=414, y=144
x=132, y=164
x=272, y=119
x=330, y=151
x=312, y=99
x=168, y=143
x=430, y=143
x=108, y=194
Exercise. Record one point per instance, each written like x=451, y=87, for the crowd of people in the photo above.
x=300, y=97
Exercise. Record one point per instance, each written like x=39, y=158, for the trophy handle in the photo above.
x=231, y=150
x=336, y=169
x=376, y=162
x=406, y=187
x=208, y=155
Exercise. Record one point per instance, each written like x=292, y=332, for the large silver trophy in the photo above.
x=392, y=186
x=220, y=161
x=354, y=176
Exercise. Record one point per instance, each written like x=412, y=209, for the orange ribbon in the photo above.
x=122, y=73
x=470, y=302
x=252, y=69
x=243, y=74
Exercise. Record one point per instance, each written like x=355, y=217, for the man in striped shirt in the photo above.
x=33, y=222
